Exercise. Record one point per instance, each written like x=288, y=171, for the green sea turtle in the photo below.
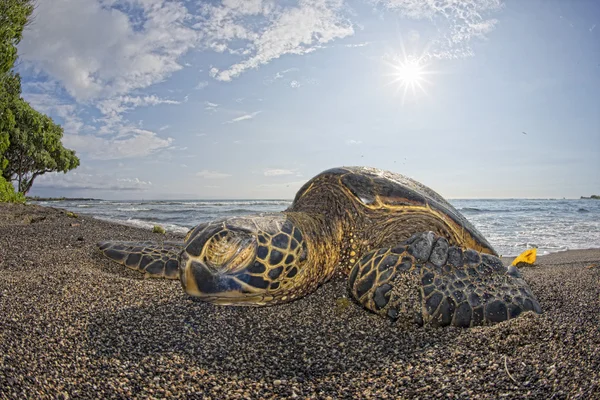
x=408, y=254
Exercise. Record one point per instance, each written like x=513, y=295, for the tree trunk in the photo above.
x=29, y=183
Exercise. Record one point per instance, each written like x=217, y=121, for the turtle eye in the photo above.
x=229, y=251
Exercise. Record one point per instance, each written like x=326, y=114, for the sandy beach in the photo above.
x=76, y=325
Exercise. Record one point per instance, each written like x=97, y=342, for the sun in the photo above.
x=409, y=73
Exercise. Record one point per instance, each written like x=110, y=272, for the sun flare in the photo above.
x=409, y=74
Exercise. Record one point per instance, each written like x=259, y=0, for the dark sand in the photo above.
x=75, y=325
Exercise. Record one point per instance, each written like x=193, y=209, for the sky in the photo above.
x=244, y=99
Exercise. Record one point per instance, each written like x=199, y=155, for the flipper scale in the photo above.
x=431, y=282
x=155, y=260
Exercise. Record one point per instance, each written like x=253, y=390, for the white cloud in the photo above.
x=458, y=21
x=130, y=142
x=164, y=127
x=212, y=107
x=115, y=106
x=278, y=30
x=357, y=44
x=243, y=117
x=47, y=104
x=79, y=180
x=100, y=57
x=295, y=84
x=212, y=174
x=279, y=75
x=102, y=52
x=201, y=85
x=352, y=142
x=278, y=172
x=292, y=185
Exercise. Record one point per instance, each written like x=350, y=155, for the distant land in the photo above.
x=36, y=198
x=594, y=196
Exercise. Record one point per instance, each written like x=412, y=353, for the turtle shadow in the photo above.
x=305, y=339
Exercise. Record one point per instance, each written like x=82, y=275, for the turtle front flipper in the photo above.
x=156, y=260
x=424, y=280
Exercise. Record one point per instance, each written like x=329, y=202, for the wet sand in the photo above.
x=76, y=325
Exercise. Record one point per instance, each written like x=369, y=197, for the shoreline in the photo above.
x=182, y=230
x=76, y=324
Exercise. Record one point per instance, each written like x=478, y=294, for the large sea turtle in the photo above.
x=407, y=252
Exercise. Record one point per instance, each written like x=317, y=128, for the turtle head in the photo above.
x=253, y=260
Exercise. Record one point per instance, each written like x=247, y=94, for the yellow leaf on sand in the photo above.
x=528, y=256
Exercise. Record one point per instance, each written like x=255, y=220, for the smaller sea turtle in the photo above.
x=407, y=252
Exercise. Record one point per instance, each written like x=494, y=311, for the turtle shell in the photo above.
x=380, y=189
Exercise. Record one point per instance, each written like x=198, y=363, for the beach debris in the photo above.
x=593, y=266
x=75, y=224
x=71, y=214
x=526, y=258
x=508, y=373
x=158, y=229
x=342, y=303
x=30, y=219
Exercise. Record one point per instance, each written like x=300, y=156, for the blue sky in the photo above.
x=249, y=99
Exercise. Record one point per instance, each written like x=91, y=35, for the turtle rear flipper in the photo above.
x=156, y=260
x=425, y=280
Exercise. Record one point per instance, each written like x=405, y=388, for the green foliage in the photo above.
x=14, y=15
x=158, y=229
x=35, y=147
x=8, y=194
x=10, y=89
x=71, y=214
x=30, y=142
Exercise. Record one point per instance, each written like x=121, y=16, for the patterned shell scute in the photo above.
x=393, y=189
x=397, y=190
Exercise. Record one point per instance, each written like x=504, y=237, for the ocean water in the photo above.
x=510, y=225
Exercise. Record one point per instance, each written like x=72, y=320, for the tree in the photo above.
x=14, y=15
x=35, y=147
x=30, y=142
